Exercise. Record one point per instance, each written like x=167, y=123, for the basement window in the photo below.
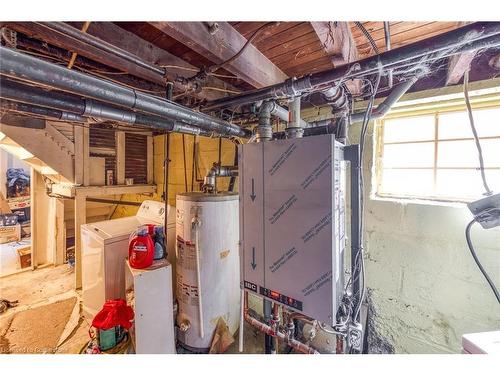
x=432, y=154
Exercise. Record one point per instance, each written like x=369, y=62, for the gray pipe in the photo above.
x=63, y=28
x=72, y=108
x=31, y=69
x=329, y=126
x=41, y=111
x=217, y=170
x=464, y=39
x=294, y=128
x=282, y=113
x=386, y=105
x=264, y=130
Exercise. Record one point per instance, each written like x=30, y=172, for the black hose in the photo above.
x=474, y=133
x=473, y=252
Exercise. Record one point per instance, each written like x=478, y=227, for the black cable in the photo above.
x=364, y=129
x=184, y=161
x=360, y=26
x=474, y=132
x=473, y=252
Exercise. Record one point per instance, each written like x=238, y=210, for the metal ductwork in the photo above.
x=67, y=107
x=467, y=38
x=27, y=68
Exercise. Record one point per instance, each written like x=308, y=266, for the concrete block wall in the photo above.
x=425, y=287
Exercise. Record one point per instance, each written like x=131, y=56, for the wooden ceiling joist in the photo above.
x=458, y=64
x=175, y=66
x=252, y=66
x=338, y=43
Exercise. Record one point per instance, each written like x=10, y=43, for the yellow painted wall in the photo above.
x=208, y=154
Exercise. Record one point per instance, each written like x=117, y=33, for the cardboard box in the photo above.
x=25, y=256
x=18, y=203
x=11, y=233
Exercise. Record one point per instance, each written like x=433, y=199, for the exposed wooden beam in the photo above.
x=458, y=64
x=176, y=67
x=338, y=43
x=46, y=34
x=252, y=66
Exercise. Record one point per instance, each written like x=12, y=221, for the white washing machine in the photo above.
x=105, y=247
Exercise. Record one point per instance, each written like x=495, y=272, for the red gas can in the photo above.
x=141, y=249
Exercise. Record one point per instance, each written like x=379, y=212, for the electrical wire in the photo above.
x=364, y=129
x=474, y=132
x=216, y=67
x=476, y=259
x=360, y=26
x=189, y=69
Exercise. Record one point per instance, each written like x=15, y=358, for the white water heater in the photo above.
x=207, y=263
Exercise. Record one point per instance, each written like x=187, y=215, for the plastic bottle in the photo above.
x=141, y=249
x=159, y=242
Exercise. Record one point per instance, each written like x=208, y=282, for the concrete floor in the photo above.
x=46, y=285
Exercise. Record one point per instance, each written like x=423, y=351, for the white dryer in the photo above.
x=105, y=247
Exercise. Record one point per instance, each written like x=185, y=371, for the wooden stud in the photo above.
x=33, y=227
x=80, y=219
x=60, y=254
x=86, y=156
x=79, y=152
x=120, y=157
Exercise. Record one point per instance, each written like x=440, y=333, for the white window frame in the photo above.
x=436, y=110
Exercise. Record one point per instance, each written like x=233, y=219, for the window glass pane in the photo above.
x=408, y=155
x=418, y=128
x=408, y=182
x=464, y=153
x=456, y=124
x=465, y=183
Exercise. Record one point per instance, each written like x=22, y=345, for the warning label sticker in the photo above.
x=186, y=254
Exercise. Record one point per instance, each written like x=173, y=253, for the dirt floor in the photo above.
x=47, y=316
x=48, y=319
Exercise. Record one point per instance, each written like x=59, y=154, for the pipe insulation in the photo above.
x=464, y=39
x=31, y=69
x=74, y=108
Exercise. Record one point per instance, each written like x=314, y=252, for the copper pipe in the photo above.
x=299, y=316
x=295, y=344
x=339, y=349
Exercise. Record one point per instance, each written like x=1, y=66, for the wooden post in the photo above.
x=120, y=158
x=79, y=154
x=60, y=255
x=34, y=232
x=80, y=219
x=86, y=156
